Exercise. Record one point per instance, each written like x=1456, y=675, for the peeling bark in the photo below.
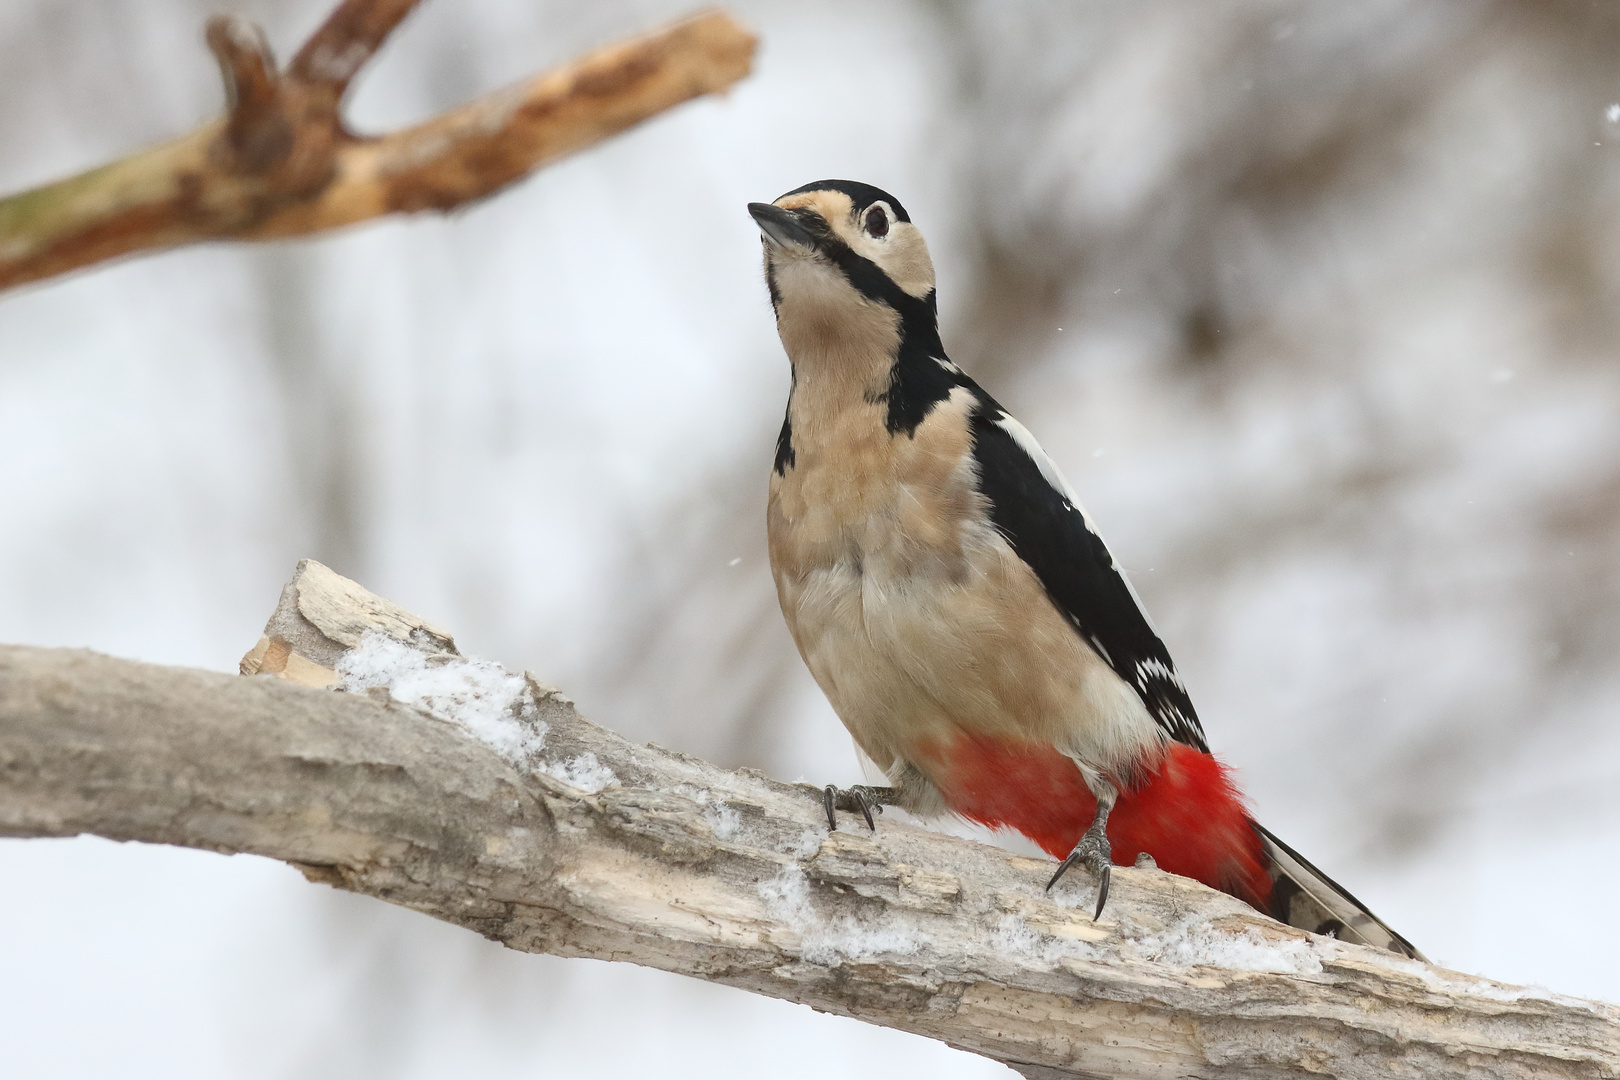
x=727, y=876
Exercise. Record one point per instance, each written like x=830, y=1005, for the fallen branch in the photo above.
x=507, y=813
x=282, y=163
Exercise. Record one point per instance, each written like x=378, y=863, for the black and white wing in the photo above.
x=1036, y=510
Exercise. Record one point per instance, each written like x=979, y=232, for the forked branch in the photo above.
x=282, y=163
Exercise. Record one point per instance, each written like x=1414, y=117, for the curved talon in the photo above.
x=858, y=799
x=1093, y=850
x=1061, y=870
x=864, y=800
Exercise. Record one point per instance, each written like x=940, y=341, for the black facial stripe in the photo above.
x=868, y=278
x=785, y=459
x=771, y=286
x=862, y=273
x=918, y=381
x=862, y=195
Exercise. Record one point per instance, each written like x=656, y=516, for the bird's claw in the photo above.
x=859, y=799
x=1093, y=850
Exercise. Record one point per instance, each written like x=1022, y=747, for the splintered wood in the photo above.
x=322, y=615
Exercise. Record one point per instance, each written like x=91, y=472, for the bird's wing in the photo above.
x=1036, y=510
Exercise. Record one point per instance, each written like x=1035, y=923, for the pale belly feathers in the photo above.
x=916, y=617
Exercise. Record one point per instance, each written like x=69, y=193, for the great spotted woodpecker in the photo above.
x=957, y=605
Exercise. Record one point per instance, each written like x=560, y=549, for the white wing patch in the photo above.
x=1049, y=470
x=1053, y=476
x=1153, y=667
x=947, y=365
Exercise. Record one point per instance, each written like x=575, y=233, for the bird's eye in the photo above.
x=877, y=222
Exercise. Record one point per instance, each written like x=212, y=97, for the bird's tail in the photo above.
x=1303, y=896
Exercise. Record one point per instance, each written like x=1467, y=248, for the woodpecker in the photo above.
x=958, y=606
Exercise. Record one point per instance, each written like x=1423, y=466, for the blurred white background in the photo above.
x=1314, y=302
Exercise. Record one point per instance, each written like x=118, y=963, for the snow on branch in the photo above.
x=282, y=163
x=364, y=749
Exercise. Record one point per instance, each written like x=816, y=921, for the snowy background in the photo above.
x=1315, y=303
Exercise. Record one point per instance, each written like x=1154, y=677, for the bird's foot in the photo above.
x=1094, y=851
x=859, y=799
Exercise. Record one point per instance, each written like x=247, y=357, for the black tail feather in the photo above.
x=1303, y=896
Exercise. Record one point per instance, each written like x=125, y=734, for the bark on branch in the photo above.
x=549, y=834
x=281, y=162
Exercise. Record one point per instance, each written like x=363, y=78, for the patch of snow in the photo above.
x=584, y=772
x=479, y=695
x=723, y=820
x=1075, y=893
x=1499, y=992
x=1450, y=982
x=1194, y=942
x=830, y=942
x=1016, y=937
x=806, y=845
x=787, y=896
x=1013, y=935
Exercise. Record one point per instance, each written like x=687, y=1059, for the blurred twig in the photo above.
x=282, y=163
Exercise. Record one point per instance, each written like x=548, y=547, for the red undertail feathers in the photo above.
x=1184, y=811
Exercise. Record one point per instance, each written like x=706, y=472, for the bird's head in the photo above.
x=841, y=244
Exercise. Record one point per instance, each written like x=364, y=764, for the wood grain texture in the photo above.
x=733, y=877
x=282, y=163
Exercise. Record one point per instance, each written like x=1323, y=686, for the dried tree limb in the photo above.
x=253, y=115
x=582, y=844
x=336, y=52
x=281, y=162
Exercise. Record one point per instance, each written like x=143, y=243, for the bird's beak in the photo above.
x=781, y=227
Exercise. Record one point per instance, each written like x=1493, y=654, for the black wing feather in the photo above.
x=1051, y=534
